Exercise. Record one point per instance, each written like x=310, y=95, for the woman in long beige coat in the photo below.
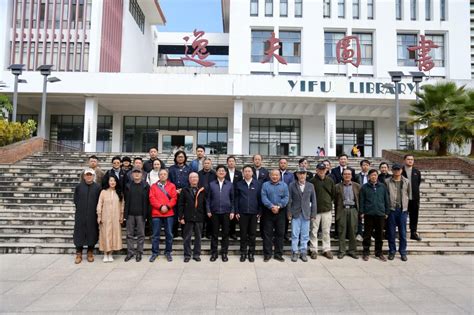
x=110, y=217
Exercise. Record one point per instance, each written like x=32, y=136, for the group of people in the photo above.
x=205, y=201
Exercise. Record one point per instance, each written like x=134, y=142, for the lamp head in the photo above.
x=16, y=68
x=45, y=69
x=417, y=76
x=396, y=76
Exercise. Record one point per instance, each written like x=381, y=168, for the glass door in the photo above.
x=170, y=142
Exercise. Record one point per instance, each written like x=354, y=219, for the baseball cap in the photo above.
x=89, y=171
x=321, y=166
x=136, y=170
x=396, y=166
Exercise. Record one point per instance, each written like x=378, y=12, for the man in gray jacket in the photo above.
x=399, y=192
x=301, y=209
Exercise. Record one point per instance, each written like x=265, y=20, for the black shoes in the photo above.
x=187, y=259
x=353, y=255
x=279, y=258
x=233, y=236
x=404, y=258
x=340, y=255
x=391, y=256
x=225, y=258
x=138, y=258
x=415, y=236
x=197, y=258
x=243, y=257
x=128, y=257
x=213, y=258
x=251, y=258
x=266, y=258
x=169, y=258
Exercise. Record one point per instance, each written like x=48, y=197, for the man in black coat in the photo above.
x=336, y=173
x=115, y=170
x=86, y=229
x=191, y=213
x=206, y=175
x=148, y=165
x=137, y=210
x=414, y=176
x=234, y=176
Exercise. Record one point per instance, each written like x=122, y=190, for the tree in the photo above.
x=5, y=106
x=436, y=109
x=464, y=122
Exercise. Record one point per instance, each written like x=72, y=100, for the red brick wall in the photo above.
x=434, y=163
x=14, y=152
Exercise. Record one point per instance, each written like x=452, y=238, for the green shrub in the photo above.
x=11, y=132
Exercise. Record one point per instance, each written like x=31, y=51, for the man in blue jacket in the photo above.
x=247, y=210
x=220, y=208
x=274, y=198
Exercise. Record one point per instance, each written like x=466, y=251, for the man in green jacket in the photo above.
x=325, y=192
x=375, y=206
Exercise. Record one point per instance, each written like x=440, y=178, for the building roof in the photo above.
x=153, y=11
x=225, y=4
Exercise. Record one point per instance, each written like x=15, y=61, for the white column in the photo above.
x=330, y=129
x=117, y=131
x=95, y=35
x=238, y=120
x=91, y=111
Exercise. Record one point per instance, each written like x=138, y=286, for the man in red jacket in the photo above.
x=163, y=199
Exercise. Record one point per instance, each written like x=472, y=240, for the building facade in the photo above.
x=126, y=87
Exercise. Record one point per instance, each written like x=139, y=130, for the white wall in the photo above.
x=95, y=36
x=385, y=138
x=6, y=9
x=312, y=134
x=137, y=47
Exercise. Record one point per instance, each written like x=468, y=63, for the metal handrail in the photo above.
x=53, y=146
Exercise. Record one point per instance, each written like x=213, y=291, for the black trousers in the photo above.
x=188, y=230
x=207, y=227
x=273, y=232
x=233, y=225
x=80, y=248
x=248, y=233
x=371, y=223
x=220, y=221
x=413, y=211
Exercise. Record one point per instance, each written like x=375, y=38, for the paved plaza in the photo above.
x=53, y=283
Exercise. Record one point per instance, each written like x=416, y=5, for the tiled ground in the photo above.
x=53, y=283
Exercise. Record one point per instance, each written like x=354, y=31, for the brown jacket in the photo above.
x=339, y=198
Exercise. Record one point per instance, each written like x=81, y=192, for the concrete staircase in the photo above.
x=37, y=210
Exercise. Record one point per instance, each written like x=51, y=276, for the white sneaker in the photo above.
x=106, y=258
x=359, y=238
x=111, y=258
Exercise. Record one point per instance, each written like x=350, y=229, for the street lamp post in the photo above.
x=45, y=71
x=16, y=70
x=417, y=77
x=396, y=78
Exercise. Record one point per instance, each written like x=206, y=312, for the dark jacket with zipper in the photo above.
x=220, y=201
x=248, y=199
x=192, y=208
x=325, y=192
x=374, y=199
x=145, y=199
x=414, y=183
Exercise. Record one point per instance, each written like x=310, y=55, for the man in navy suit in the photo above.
x=336, y=173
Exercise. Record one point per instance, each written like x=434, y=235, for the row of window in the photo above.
x=341, y=9
x=64, y=57
x=414, y=9
x=290, y=42
x=66, y=14
x=137, y=14
x=283, y=8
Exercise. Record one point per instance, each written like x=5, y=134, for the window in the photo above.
x=350, y=132
x=104, y=134
x=366, y=48
x=290, y=43
x=259, y=44
x=298, y=8
x=137, y=14
x=274, y=136
x=442, y=9
x=67, y=130
x=428, y=10
x=407, y=136
x=437, y=53
x=355, y=9
x=253, y=7
x=268, y=7
x=327, y=8
x=405, y=56
x=398, y=9
x=370, y=9
x=283, y=8
x=413, y=10
x=330, y=42
x=341, y=8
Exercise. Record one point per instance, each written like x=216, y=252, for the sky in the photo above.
x=186, y=15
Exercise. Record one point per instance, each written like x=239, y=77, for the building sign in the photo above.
x=425, y=62
x=346, y=54
x=327, y=86
x=200, y=52
x=273, y=45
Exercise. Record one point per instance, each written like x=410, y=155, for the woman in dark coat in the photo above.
x=86, y=229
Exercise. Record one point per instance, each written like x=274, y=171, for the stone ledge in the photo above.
x=12, y=153
x=462, y=164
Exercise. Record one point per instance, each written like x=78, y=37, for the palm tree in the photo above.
x=5, y=106
x=437, y=106
x=464, y=122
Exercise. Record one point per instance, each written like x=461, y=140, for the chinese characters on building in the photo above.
x=200, y=52
x=425, y=62
x=273, y=46
x=345, y=53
